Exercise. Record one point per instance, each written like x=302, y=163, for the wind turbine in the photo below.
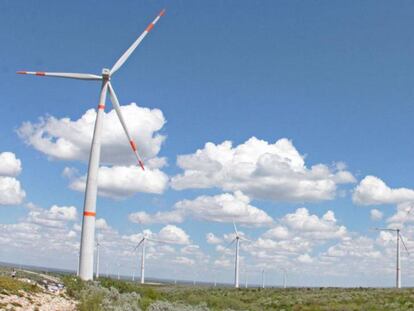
x=284, y=277
x=399, y=237
x=89, y=210
x=97, y=258
x=246, y=276
x=237, y=239
x=142, y=243
x=263, y=278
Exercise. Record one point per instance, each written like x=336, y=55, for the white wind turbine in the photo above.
x=98, y=245
x=399, y=238
x=89, y=210
x=237, y=239
x=284, y=277
x=263, y=278
x=143, y=243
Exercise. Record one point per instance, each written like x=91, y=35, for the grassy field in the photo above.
x=109, y=294
x=175, y=298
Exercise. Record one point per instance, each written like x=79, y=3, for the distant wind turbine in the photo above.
x=97, y=258
x=284, y=277
x=143, y=244
x=89, y=210
x=237, y=239
x=263, y=278
x=399, y=238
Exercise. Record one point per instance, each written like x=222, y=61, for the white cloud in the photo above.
x=101, y=224
x=56, y=216
x=157, y=218
x=261, y=170
x=373, y=191
x=119, y=177
x=224, y=208
x=357, y=247
x=9, y=164
x=305, y=258
x=67, y=139
x=376, y=214
x=312, y=226
x=278, y=233
x=220, y=208
x=211, y=238
x=11, y=192
x=173, y=234
x=181, y=260
x=404, y=214
x=125, y=181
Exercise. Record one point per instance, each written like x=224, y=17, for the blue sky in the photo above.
x=332, y=76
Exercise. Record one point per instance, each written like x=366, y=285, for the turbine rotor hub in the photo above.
x=106, y=74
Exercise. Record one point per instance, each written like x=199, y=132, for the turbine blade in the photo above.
x=115, y=103
x=231, y=243
x=384, y=229
x=81, y=76
x=134, y=45
x=235, y=228
x=403, y=243
x=140, y=242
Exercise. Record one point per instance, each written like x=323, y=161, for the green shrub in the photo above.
x=9, y=285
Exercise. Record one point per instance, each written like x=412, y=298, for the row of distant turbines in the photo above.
x=86, y=254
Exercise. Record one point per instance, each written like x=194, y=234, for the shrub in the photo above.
x=167, y=306
x=10, y=285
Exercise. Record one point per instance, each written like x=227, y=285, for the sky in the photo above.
x=291, y=118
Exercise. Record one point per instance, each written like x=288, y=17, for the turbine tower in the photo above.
x=89, y=210
x=398, y=264
x=237, y=239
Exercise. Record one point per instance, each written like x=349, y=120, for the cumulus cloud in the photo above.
x=261, y=170
x=219, y=208
x=373, y=191
x=11, y=192
x=354, y=247
x=326, y=227
x=119, y=177
x=211, y=238
x=174, y=234
x=55, y=216
x=124, y=181
x=67, y=139
x=376, y=214
x=404, y=214
x=157, y=218
x=225, y=208
x=305, y=258
x=9, y=164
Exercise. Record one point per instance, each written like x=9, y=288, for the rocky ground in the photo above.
x=36, y=301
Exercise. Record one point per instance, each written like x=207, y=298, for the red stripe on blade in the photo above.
x=40, y=73
x=142, y=165
x=21, y=72
x=101, y=106
x=89, y=213
x=150, y=26
x=133, y=146
x=162, y=13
